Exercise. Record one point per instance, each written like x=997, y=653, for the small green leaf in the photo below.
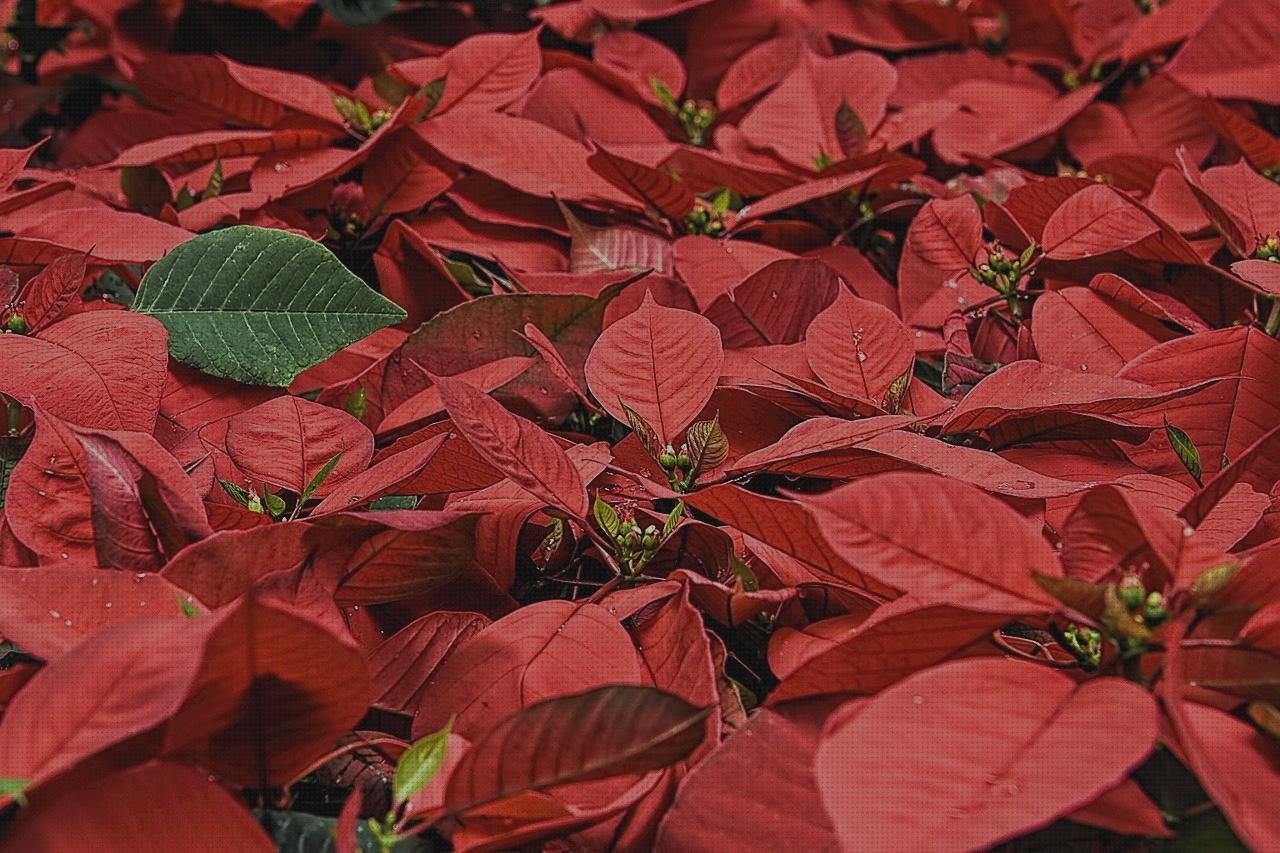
x=184, y=200
x=708, y=446
x=354, y=113
x=318, y=480
x=240, y=495
x=259, y=305
x=606, y=516
x=274, y=503
x=664, y=96
x=14, y=788
x=1188, y=455
x=189, y=610
x=647, y=436
x=420, y=764
x=357, y=404
x=673, y=520
x=430, y=94
x=1211, y=581
x=213, y=188
x=145, y=188
x=394, y=502
x=748, y=579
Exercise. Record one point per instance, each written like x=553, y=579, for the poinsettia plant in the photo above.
x=639, y=425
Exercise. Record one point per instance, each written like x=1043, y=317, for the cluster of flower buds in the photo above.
x=1000, y=271
x=1149, y=608
x=677, y=465
x=16, y=323
x=1268, y=250
x=1085, y=643
x=635, y=546
x=696, y=119
x=703, y=221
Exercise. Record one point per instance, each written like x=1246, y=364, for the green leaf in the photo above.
x=318, y=480
x=258, y=305
x=1188, y=455
x=664, y=96
x=357, y=404
x=708, y=446
x=14, y=788
x=420, y=764
x=673, y=520
x=213, y=188
x=645, y=433
x=358, y=13
x=240, y=495
x=394, y=502
x=606, y=517
x=274, y=503
x=430, y=94
x=354, y=113
x=189, y=610
x=750, y=583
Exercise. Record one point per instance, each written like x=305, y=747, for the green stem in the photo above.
x=15, y=417
x=1272, y=327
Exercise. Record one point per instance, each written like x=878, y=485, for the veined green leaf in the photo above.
x=420, y=763
x=259, y=305
x=1188, y=455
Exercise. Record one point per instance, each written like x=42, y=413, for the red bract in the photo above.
x=639, y=425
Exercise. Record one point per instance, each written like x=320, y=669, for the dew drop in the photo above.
x=41, y=494
x=355, y=607
x=1187, y=530
x=773, y=294
x=64, y=555
x=52, y=459
x=281, y=166
x=107, y=605
x=1084, y=368
x=55, y=614
x=918, y=700
x=951, y=283
x=142, y=604
x=919, y=333
x=140, y=576
x=67, y=623
x=862, y=356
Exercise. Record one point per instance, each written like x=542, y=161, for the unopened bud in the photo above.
x=17, y=324
x=667, y=458
x=1132, y=592
x=1156, y=609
